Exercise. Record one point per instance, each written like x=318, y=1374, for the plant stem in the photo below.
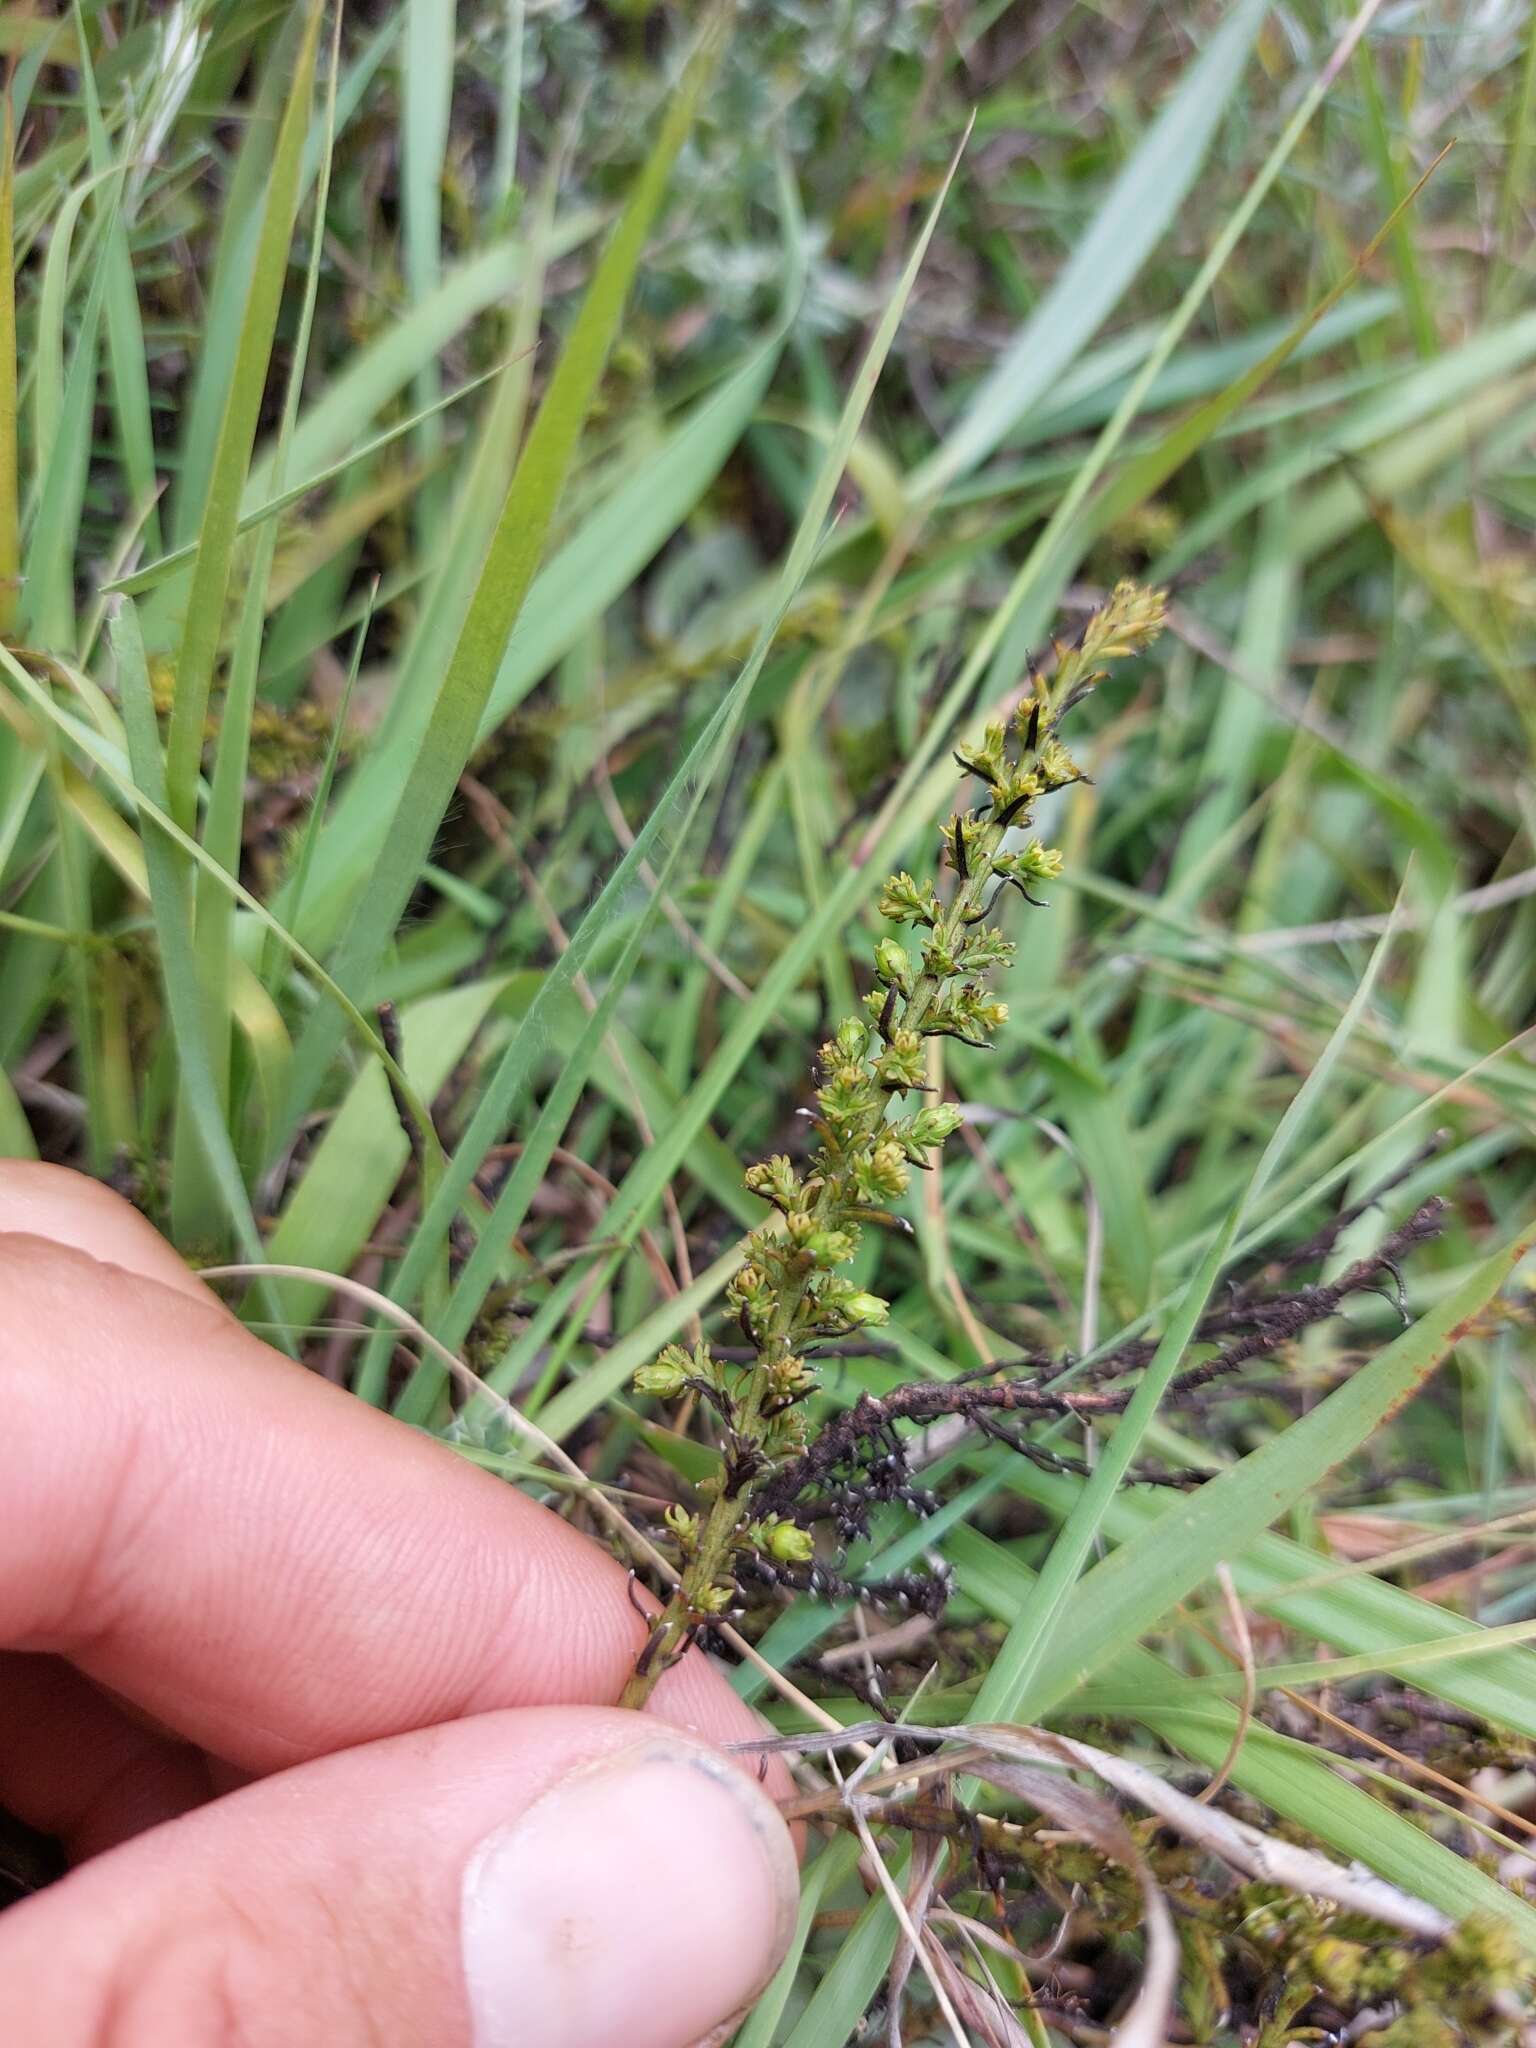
x=716, y=1540
x=787, y=1293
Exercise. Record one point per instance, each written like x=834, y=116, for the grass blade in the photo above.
x=171, y=901
x=10, y=489
x=569, y=594
x=1135, y=214
x=509, y=568
x=426, y=96
x=675, y=813
x=1009, y=1690
x=1125, y=1596
x=214, y=563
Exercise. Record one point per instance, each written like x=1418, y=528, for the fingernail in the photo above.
x=643, y=1900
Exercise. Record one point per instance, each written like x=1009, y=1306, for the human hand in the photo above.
x=316, y=1708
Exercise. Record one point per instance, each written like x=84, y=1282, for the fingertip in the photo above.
x=69, y=1208
x=560, y=1876
x=661, y=1865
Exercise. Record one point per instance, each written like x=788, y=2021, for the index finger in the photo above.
x=268, y=1566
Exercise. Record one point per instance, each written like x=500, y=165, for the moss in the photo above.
x=288, y=740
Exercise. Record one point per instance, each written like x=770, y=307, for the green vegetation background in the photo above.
x=503, y=513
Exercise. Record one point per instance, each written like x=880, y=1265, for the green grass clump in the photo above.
x=505, y=514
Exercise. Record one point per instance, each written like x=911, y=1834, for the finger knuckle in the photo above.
x=228, y=1975
x=187, y=1982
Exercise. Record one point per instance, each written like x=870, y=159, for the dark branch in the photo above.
x=863, y=1446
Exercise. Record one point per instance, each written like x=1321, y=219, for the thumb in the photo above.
x=543, y=1878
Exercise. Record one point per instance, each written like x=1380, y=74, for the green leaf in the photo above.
x=1294, y=1780
x=125, y=328
x=426, y=66
x=1091, y=1109
x=236, y=437
x=10, y=472
x=16, y=1139
x=1125, y=1596
x=1134, y=216
x=836, y=1863
x=171, y=902
x=347, y=1183
x=509, y=568
x=222, y=329
x=223, y=831
x=1009, y=1691
x=63, y=413
x=608, y=549
x=676, y=811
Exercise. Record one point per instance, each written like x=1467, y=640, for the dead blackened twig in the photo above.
x=859, y=1457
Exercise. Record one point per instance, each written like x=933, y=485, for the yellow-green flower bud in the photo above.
x=881, y=1175
x=1057, y=767
x=775, y=1180
x=901, y=1064
x=893, y=966
x=988, y=760
x=788, y=1377
x=1042, y=863
x=932, y=1125
x=846, y=1097
x=789, y=1543
x=663, y=1377
x=831, y=1247
x=904, y=901
x=852, y=1039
